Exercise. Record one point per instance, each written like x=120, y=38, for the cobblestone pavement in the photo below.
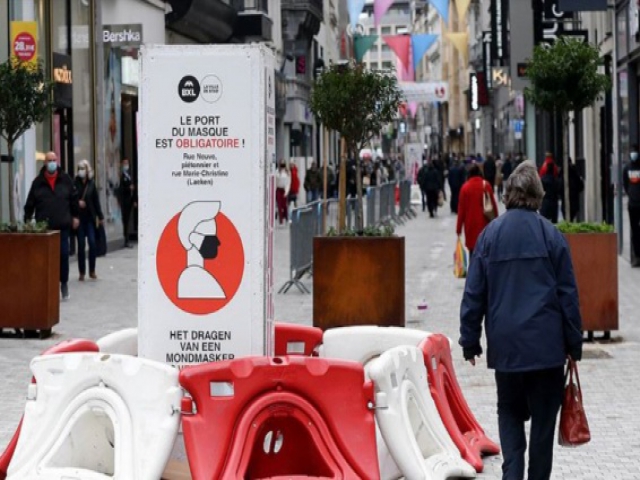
x=609, y=372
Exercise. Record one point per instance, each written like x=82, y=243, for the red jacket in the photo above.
x=471, y=210
x=294, y=188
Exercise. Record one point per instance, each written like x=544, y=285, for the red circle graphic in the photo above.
x=227, y=268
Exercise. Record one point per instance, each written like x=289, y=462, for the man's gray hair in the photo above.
x=524, y=189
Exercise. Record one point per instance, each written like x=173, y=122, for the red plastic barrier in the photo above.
x=282, y=417
x=291, y=339
x=464, y=429
x=73, y=345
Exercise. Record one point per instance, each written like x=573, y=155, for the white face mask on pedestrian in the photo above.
x=52, y=166
x=634, y=156
x=82, y=173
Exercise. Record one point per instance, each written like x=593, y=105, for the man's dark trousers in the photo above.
x=64, y=255
x=522, y=395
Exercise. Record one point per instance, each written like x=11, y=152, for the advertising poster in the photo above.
x=205, y=243
x=24, y=42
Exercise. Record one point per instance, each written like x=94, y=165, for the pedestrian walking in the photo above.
x=490, y=170
x=471, y=215
x=432, y=185
x=550, y=176
x=631, y=183
x=294, y=189
x=457, y=176
x=90, y=216
x=313, y=183
x=521, y=282
x=576, y=186
x=422, y=178
x=283, y=180
x=53, y=199
x=128, y=200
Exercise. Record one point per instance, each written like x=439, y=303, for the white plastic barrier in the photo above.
x=93, y=416
x=122, y=342
x=363, y=344
x=409, y=421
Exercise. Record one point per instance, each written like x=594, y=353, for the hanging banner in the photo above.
x=427, y=92
x=442, y=7
x=401, y=45
x=362, y=44
x=499, y=31
x=355, y=9
x=413, y=109
x=486, y=56
x=583, y=5
x=380, y=7
x=462, y=6
x=420, y=43
x=207, y=117
x=460, y=41
x=405, y=74
x=24, y=42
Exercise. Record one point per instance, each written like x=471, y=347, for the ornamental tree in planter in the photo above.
x=29, y=254
x=25, y=99
x=358, y=276
x=594, y=254
x=564, y=78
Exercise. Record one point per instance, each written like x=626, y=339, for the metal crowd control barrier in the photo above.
x=379, y=208
x=304, y=226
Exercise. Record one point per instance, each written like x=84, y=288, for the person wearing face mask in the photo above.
x=90, y=216
x=53, y=199
x=631, y=183
x=126, y=199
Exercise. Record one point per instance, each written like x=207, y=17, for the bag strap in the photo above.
x=572, y=367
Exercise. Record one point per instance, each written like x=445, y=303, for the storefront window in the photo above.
x=82, y=81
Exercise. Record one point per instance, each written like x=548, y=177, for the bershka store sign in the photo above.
x=122, y=35
x=206, y=203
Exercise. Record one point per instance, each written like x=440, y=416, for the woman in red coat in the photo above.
x=471, y=207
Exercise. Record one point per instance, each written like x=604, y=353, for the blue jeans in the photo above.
x=312, y=195
x=535, y=395
x=86, y=232
x=64, y=255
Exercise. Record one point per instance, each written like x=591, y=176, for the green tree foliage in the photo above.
x=356, y=103
x=25, y=99
x=564, y=78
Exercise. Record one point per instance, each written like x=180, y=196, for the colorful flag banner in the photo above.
x=362, y=44
x=462, y=6
x=460, y=41
x=355, y=9
x=420, y=43
x=403, y=74
x=380, y=7
x=401, y=45
x=442, y=7
x=413, y=109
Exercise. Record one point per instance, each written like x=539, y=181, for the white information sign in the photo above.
x=205, y=239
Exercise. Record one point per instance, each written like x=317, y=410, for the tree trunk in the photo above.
x=342, y=189
x=565, y=165
x=12, y=213
x=359, y=214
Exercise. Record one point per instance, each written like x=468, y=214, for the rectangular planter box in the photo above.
x=358, y=281
x=595, y=261
x=30, y=281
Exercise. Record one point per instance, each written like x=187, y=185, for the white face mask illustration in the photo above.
x=197, y=231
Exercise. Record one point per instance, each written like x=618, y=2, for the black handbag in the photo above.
x=101, y=240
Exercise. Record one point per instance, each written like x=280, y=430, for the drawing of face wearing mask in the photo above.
x=198, y=235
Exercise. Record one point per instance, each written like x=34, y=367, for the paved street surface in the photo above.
x=609, y=372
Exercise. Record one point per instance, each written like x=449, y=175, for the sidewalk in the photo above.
x=609, y=372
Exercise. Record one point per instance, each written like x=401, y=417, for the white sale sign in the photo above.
x=204, y=281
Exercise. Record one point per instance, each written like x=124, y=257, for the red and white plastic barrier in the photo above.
x=292, y=339
x=93, y=416
x=73, y=345
x=121, y=342
x=464, y=429
x=279, y=418
x=409, y=421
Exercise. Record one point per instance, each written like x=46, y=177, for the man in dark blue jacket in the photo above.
x=522, y=283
